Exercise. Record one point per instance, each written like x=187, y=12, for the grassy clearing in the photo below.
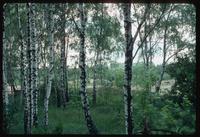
x=107, y=114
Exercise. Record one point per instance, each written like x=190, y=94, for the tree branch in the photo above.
x=147, y=34
x=139, y=26
x=176, y=52
x=78, y=28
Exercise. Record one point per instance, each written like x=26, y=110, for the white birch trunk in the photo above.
x=94, y=78
x=128, y=70
x=33, y=61
x=50, y=27
x=5, y=84
x=62, y=80
x=85, y=104
x=27, y=95
x=66, y=71
x=21, y=34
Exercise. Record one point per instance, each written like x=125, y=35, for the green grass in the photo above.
x=107, y=114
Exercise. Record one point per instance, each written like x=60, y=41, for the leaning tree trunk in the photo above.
x=128, y=70
x=62, y=80
x=85, y=104
x=50, y=27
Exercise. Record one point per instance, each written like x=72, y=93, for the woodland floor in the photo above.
x=107, y=113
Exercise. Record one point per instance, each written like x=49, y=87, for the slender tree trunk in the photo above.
x=26, y=99
x=31, y=61
x=94, y=78
x=158, y=84
x=33, y=67
x=66, y=71
x=5, y=84
x=35, y=117
x=24, y=76
x=10, y=71
x=62, y=80
x=75, y=78
x=22, y=65
x=101, y=66
x=85, y=104
x=128, y=70
x=50, y=27
x=146, y=58
x=27, y=95
x=5, y=103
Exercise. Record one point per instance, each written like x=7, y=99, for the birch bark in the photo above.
x=62, y=80
x=51, y=65
x=5, y=84
x=128, y=70
x=85, y=104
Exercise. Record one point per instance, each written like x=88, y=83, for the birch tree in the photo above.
x=22, y=44
x=5, y=84
x=50, y=26
x=66, y=70
x=27, y=95
x=5, y=102
x=33, y=66
x=37, y=62
x=128, y=63
x=85, y=104
x=168, y=24
x=103, y=31
x=24, y=56
x=63, y=63
x=128, y=69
